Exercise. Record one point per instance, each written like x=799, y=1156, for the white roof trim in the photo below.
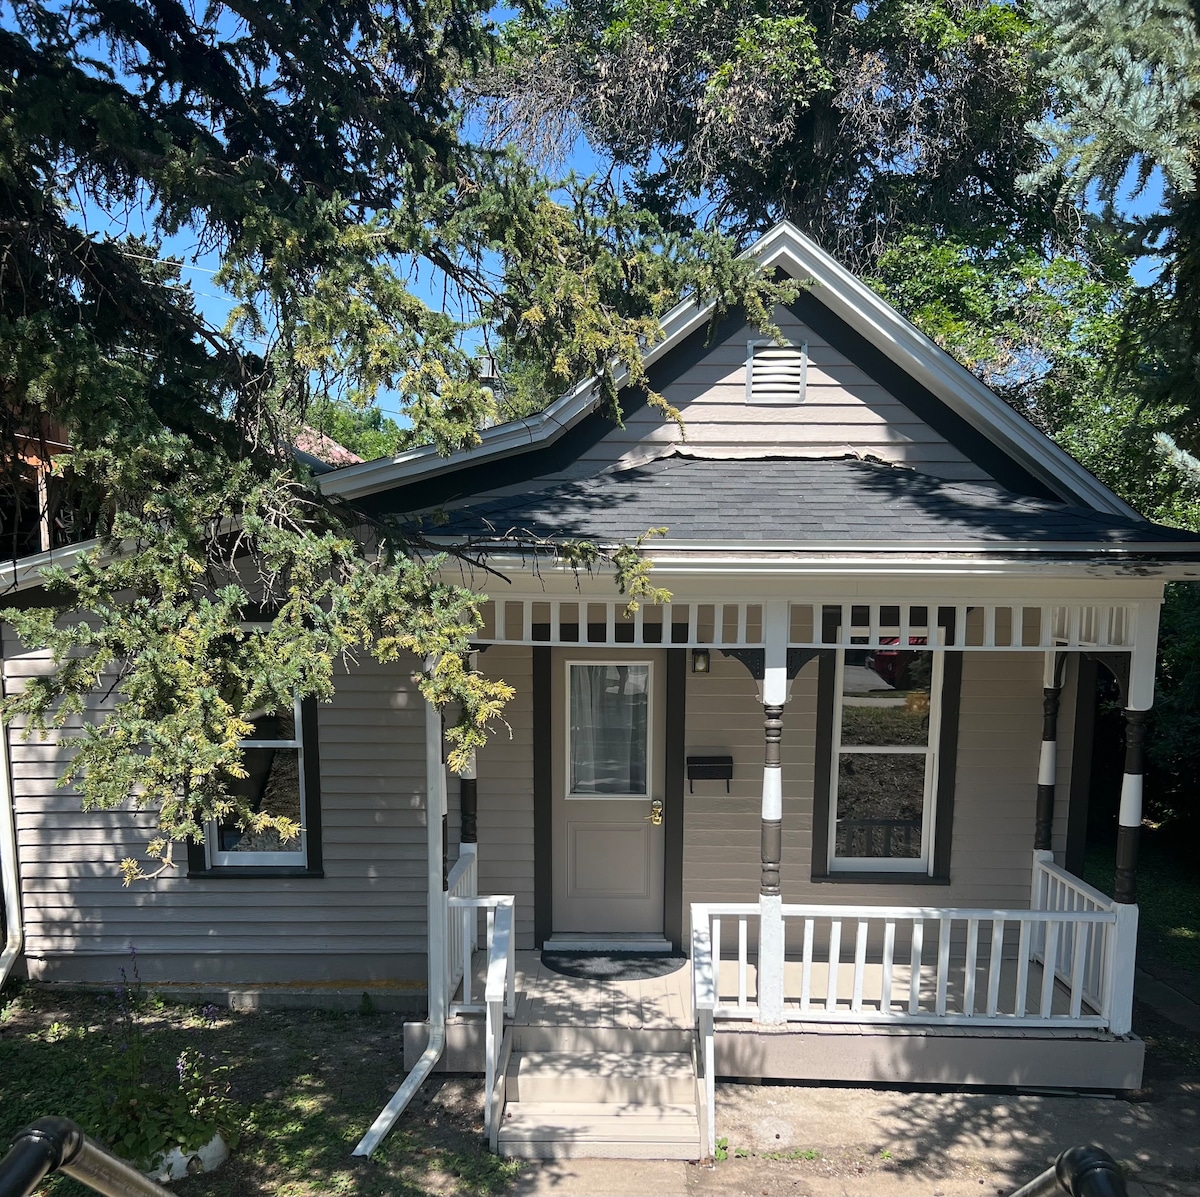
x=865, y=311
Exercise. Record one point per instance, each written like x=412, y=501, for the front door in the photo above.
x=607, y=708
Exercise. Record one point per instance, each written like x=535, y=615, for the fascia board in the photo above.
x=515, y=436
x=874, y=318
x=26, y=572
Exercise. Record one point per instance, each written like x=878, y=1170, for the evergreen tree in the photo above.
x=317, y=151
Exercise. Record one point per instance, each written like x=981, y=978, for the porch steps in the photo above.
x=600, y=1104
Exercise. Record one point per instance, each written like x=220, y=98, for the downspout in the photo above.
x=10, y=869
x=435, y=815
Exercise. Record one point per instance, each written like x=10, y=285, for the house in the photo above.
x=842, y=770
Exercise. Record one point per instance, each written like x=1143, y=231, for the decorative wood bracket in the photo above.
x=1118, y=665
x=755, y=660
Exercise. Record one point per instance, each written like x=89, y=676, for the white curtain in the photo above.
x=609, y=724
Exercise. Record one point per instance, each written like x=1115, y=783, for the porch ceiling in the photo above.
x=796, y=501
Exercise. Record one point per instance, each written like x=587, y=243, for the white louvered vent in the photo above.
x=776, y=373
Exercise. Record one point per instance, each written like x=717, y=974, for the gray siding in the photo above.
x=364, y=920
x=505, y=770
x=845, y=413
x=996, y=790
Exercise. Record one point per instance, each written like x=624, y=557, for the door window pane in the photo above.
x=609, y=719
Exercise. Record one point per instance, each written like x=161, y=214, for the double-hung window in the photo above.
x=883, y=779
x=282, y=778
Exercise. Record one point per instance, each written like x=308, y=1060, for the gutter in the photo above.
x=10, y=868
x=435, y=818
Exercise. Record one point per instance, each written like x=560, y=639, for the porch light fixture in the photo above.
x=700, y=660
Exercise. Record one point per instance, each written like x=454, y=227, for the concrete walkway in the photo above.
x=826, y=1142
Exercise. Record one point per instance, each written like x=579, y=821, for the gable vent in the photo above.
x=776, y=373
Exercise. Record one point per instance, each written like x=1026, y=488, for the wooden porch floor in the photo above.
x=546, y=998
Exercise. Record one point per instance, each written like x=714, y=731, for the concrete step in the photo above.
x=650, y=1078
x=597, y=1130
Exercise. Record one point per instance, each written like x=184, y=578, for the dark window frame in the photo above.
x=198, y=858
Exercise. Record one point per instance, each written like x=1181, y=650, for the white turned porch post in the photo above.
x=435, y=823
x=770, y=899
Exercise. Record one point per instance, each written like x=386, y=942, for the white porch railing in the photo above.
x=1096, y=965
x=930, y=961
x=462, y=938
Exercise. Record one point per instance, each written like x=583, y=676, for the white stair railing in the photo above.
x=704, y=1003
x=499, y=998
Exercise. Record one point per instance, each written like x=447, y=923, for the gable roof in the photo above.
x=806, y=504
x=784, y=248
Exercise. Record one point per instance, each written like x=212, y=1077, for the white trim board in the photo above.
x=787, y=249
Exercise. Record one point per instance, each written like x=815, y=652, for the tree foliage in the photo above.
x=318, y=152
x=853, y=120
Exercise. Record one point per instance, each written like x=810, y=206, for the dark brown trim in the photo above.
x=674, y=794
x=943, y=819
x=197, y=856
x=543, y=772
x=1082, y=745
x=823, y=763
x=943, y=825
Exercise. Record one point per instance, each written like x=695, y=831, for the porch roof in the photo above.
x=798, y=501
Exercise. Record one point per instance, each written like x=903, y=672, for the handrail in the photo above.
x=704, y=1003
x=497, y=988
x=55, y=1144
x=1080, y=1172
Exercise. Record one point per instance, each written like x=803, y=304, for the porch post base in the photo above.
x=770, y=959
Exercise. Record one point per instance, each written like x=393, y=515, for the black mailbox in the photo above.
x=709, y=768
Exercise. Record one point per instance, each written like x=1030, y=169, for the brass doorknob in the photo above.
x=656, y=812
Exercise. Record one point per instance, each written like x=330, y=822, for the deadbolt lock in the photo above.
x=656, y=812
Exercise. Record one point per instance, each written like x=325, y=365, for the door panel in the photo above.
x=608, y=856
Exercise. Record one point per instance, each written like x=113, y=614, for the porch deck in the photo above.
x=549, y=999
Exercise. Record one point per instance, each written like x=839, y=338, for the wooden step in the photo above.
x=602, y=1039
x=652, y=1078
x=597, y=1130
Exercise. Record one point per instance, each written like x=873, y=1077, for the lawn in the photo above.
x=305, y=1085
x=1168, y=894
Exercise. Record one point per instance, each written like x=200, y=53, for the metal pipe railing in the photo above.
x=1079, y=1172
x=60, y=1145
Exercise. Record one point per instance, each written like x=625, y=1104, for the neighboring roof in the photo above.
x=324, y=448
x=798, y=502
x=784, y=248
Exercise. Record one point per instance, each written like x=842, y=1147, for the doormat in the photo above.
x=613, y=966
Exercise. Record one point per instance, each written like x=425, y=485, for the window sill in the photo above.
x=228, y=872
x=879, y=879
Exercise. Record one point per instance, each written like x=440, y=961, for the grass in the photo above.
x=1168, y=901
x=307, y=1085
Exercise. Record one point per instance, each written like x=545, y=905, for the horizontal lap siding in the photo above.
x=844, y=412
x=371, y=900
x=996, y=791
x=505, y=773
x=721, y=854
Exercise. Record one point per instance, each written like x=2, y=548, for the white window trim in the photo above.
x=763, y=399
x=650, y=745
x=931, y=751
x=292, y=857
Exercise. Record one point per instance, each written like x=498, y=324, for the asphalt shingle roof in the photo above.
x=792, y=500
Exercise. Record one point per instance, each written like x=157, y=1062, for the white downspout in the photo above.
x=10, y=868
x=435, y=813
